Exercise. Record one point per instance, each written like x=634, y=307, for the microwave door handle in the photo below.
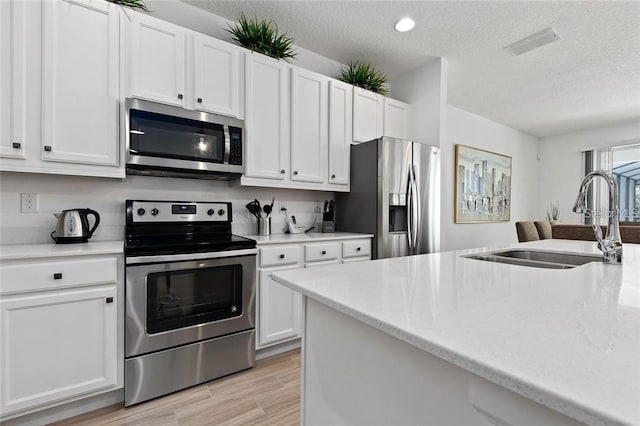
x=227, y=144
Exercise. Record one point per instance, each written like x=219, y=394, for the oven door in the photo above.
x=172, y=302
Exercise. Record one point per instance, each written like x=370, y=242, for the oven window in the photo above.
x=159, y=135
x=177, y=299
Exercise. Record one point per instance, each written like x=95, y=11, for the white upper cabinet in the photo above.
x=158, y=60
x=12, y=82
x=309, y=126
x=80, y=82
x=176, y=66
x=367, y=115
x=216, y=83
x=340, y=131
x=266, y=118
x=396, y=119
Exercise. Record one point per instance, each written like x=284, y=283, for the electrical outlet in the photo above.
x=28, y=203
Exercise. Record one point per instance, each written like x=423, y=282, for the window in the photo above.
x=626, y=170
x=623, y=162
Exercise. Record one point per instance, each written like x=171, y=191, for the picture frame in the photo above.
x=482, y=186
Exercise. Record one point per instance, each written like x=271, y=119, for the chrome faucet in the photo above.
x=611, y=245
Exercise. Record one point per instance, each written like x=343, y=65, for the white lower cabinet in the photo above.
x=56, y=345
x=280, y=309
x=61, y=334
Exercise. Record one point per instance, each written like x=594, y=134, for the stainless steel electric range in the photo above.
x=190, y=297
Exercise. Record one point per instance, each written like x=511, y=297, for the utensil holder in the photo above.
x=264, y=226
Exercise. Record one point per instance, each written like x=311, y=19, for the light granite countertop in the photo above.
x=47, y=250
x=305, y=237
x=567, y=339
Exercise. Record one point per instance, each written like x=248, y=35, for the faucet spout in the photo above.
x=611, y=244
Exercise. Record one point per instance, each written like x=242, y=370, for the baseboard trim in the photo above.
x=277, y=349
x=65, y=411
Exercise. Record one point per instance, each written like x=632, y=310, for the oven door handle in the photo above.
x=136, y=260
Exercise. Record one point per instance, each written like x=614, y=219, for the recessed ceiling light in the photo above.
x=405, y=24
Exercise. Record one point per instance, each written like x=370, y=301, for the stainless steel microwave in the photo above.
x=164, y=140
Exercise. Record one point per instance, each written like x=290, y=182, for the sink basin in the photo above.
x=537, y=259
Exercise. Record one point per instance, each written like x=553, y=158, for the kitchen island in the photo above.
x=446, y=340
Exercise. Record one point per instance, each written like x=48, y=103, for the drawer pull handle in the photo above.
x=57, y=276
x=324, y=252
x=47, y=148
x=295, y=173
x=16, y=145
x=109, y=299
x=358, y=249
x=282, y=256
x=199, y=100
x=333, y=176
x=180, y=96
x=283, y=171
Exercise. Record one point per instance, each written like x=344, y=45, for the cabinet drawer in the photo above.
x=56, y=274
x=356, y=248
x=321, y=251
x=283, y=255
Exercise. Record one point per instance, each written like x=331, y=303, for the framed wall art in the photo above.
x=482, y=185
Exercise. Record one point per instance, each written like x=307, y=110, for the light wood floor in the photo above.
x=268, y=394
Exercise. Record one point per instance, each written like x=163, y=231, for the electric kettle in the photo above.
x=73, y=226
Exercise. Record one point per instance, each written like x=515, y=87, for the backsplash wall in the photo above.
x=107, y=196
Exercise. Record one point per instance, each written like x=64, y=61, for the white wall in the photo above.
x=107, y=196
x=561, y=164
x=466, y=128
x=425, y=89
x=439, y=124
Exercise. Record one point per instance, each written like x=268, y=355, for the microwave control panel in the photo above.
x=235, y=149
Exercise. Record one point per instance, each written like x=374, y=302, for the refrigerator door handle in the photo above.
x=415, y=212
x=409, y=212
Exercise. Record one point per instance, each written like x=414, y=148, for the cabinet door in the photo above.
x=280, y=310
x=266, y=118
x=340, y=131
x=367, y=115
x=80, y=82
x=12, y=78
x=396, y=119
x=216, y=76
x=158, y=62
x=309, y=125
x=56, y=345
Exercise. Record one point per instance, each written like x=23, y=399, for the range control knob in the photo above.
x=221, y=212
x=141, y=211
x=154, y=211
x=210, y=212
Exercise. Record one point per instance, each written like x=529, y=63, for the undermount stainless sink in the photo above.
x=537, y=259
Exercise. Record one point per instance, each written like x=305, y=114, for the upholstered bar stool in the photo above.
x=527, y=232
x=544, y=229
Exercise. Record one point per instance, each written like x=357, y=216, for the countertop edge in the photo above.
x=302, y=238
x=46, y=250
x=541, y=395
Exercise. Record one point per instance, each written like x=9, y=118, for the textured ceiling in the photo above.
x=588, y=79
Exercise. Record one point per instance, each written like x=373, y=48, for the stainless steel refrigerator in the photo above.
x=395, y=195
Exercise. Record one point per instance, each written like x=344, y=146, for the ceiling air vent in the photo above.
x=532, y=42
